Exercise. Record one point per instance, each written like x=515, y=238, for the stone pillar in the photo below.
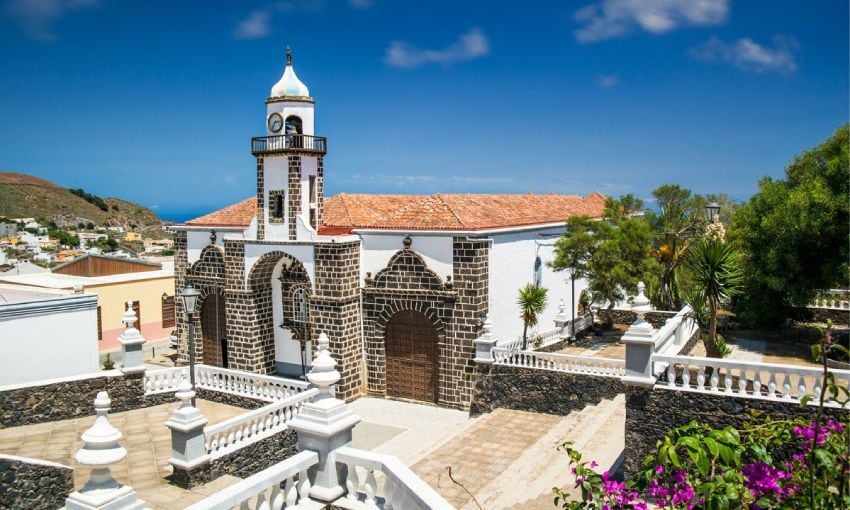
x=485, y=343
x=640, y=344
x=561, y=321
x=187, y=431
x=132, y=356
x=100, y=450
x=324, y=425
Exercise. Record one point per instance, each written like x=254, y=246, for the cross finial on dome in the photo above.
x=288, y=56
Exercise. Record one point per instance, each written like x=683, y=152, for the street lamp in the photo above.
x=189, y=296
x=573, y=305
x=712, y=210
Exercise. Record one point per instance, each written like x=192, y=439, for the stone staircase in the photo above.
x=509, y=459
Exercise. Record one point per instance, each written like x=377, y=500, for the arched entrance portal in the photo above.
x=411, y=350
x=213, y=331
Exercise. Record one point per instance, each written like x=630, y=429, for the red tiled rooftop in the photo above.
x=455, y=211
x=236, y=215
x=345, y=212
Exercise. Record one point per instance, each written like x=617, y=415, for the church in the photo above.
x=401, y=284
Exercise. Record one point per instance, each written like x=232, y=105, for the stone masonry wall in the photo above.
x=243, y=463
x=73, y=399
x=335, y=311
x=261, y=198
x=656, y=318
x=539, y=391
x=651, y=413
x=34, y=484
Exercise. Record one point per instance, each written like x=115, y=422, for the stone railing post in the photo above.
x=324, y=425
x=485, y=343
x=640, y=344
x=132, y=357
x=100, y=450
x=561, y=321
x=188, y=449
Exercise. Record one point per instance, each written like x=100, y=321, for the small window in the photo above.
x=276, y=205
x=300, y=307
x=538, y=271
x=294, y=125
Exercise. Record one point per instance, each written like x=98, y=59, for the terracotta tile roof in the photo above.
x=236, y=215
x=454, y=212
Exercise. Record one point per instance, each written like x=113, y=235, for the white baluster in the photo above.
x=742, y=382
x=715, y=379
x=771, y=386
x=389, y=490
x=686, y=376
x=277, y=499
x=291, y=492
x=701, y=377
x=352, y=483
x=671, y=375
x=303, y=485
x=370, y=487
x=727, y=381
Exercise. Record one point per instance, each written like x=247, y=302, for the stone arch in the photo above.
x=407, y=270
x=261, y=272
x=396, y=306
x=209, y=266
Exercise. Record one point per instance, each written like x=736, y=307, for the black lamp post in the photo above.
x=573, y=305
x=189, y=296
x=712, y=211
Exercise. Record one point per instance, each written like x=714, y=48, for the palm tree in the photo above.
x=716, y=272
x=532, y=302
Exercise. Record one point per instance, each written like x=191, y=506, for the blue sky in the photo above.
x=156, y=101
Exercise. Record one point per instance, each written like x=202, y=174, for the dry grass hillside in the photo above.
x=23, y=195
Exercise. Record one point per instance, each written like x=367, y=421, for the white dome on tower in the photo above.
x=289, y=84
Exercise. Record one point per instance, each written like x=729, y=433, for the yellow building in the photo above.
x=133, y=236
x=151, y=291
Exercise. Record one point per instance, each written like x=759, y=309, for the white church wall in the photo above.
x=276, y=177
x=287, y=351
x=303, y=252
x=47, y=338
x=512, y=258
x=377, y=249
x=197, y=240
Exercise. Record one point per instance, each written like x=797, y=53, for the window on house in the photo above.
x=167, y=311
x=300, y=307
x=276, y=205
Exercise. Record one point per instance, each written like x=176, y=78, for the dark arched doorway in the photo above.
x=213, y=331
x=411, y=351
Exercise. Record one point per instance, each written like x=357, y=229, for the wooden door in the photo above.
x=411, y=351
x=213, y=331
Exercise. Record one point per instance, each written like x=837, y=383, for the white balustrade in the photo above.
x=588, y=365
x=401, y=488
x=768, y=381
x=677, y=330
x=257, y=386
x=164, y=380
x=832, y=299
x=284, y=485
x=239, y=431
x=549, y=336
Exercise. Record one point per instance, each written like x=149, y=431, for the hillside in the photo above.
x=23, y=195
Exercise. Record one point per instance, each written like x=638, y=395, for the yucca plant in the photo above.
x=717, y=275
x=532, y=302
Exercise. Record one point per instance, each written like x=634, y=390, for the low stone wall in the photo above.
x=539, y=391
x=657, y=318
x=229, y=399
x=652, y=413
x=34, y=484
x=243, y=463
x=691, y=343
x=837, y=316
x=73, y=398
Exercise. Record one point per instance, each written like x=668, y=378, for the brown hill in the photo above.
x=24, y=195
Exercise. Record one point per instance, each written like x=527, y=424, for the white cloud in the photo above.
x=606, y=81
x=750, y=56
x=38, y=16
x=255, y=26
x=608, y=19
x=469, y=46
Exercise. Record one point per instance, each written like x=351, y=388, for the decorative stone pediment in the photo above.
x=407, y=270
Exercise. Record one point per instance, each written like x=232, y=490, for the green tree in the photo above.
x=613, y=254
x=678, y=222
x=793, y=234
x=532, y=302
x=715, y=269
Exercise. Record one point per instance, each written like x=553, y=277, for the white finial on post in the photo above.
x=100, y=450
x=323, y=374
x=131, y=344
x=485, y=343
x=640, y=344
x=561, y=320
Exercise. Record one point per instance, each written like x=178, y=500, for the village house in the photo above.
x=402, y=284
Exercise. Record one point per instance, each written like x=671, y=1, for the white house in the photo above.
x=46, y=334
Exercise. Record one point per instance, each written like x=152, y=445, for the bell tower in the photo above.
x=290, y=174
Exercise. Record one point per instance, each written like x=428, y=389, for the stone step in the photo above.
x=542, y=466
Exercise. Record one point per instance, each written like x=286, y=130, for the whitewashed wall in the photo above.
x=47, y=338
x=197, y=240
x=512, y=267
x=287, y=351
x=377, y=249
x=276, y=177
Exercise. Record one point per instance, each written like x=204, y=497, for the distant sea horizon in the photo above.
x=182, y=216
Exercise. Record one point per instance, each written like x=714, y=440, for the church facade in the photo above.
x=401, y=284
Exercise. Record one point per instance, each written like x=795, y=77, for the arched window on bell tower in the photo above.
x=294, y=130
